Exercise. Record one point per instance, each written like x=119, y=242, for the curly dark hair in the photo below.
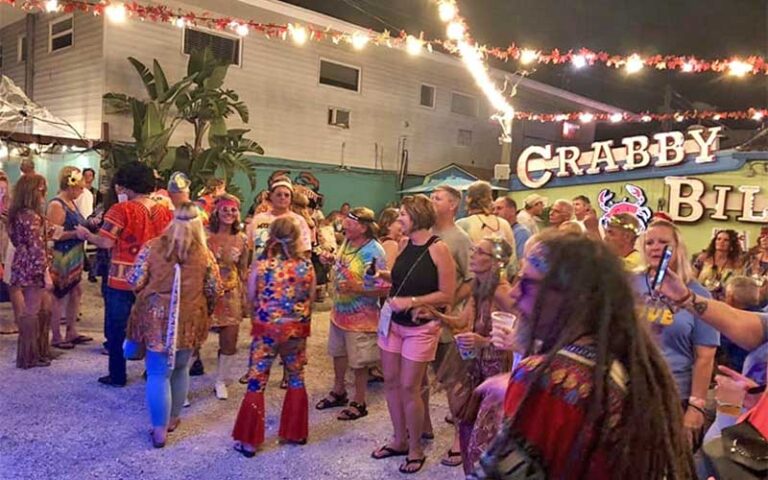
x=586, y=293
x=137, y=177
x=735, y=252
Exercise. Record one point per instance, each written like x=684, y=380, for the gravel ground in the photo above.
x=59, y=423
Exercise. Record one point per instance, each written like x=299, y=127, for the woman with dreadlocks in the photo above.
x=571, y=410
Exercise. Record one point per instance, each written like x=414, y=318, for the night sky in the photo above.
x=704, y=28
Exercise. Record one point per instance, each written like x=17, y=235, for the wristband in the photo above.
x=700, y=410
x=696, y=401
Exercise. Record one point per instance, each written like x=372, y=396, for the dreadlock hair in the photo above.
x=585, y=292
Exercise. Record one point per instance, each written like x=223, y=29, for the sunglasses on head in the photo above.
x=354, y=217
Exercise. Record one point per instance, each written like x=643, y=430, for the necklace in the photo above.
x=345, y=253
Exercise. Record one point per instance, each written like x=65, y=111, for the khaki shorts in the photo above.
x=360, y=348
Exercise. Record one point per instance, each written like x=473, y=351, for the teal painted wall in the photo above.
x=697, y=235
x=49, y=165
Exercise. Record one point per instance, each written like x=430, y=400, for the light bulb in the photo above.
x=242, y=29
x=646, y=118
x=298, y=34
x=447, y=11
x=758, y=116
x=716, y=117
x=586, y=117
x=52, y=6
x=616, y=117
x=528, y=56
x=3, y=150
x=561, y=117
x=455, y=31
x=634, y=64
x=413, y=45
x=34, y=147
x=116, y=12
x=579, y=61
x=180, y=22
x=737, y=68
x=687, y=67
x=679, y=118
x=359, y=40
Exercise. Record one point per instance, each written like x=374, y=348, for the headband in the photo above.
x=75, y=178
x=359, y=219
x=281, y=183
x=228, y=202
x=617, y=222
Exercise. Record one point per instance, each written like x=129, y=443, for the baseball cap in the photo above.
x=533, y=199
x=179, y=183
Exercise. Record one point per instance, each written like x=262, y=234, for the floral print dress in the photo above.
x=30, y=261
x=231, y=253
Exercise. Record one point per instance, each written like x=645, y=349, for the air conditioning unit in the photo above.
x=338, y=117
x=501, y=171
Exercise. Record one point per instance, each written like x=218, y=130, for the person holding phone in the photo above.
x=686, y=342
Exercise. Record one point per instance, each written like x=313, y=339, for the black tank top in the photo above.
x=423, y=279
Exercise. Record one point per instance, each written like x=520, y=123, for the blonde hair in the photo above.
x=184, y=232
x=683, y=268
x=69, y=177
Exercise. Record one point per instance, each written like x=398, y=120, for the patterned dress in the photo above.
x=30, y=260
x=68, y=255
x=231, y=253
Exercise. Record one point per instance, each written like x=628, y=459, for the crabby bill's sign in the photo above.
x=664, y=152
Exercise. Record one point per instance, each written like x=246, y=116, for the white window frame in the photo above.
x=464, y=94
x=434, y=96
x=348, y=65
x=19, y=39
x=218, y=33
x=51, y=36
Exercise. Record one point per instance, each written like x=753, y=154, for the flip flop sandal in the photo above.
x=80, y=339
x=338, y=401
x=244, y=379
x=63, y=345
x=355, y=411
x=174, y=425
x=246, y=453
x=452, y=459
x=417, y=461
x=386, y=452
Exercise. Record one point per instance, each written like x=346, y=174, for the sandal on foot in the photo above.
x=451, y=459
x=174, y=425
x=244, y=379
x=386, y=452
x=246, y=453
x=333, y=400
x=405, y=467
x=63, y=345
x=80, y=339
x=355, y=411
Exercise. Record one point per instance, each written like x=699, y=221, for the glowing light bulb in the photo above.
x=528, y=56
x=242, y=29
x=561, y=117
x=586, y=117
x=413, y=45
x=180, y=22
x=616, y=117
x=52, y=6
x=679, y=118
x=64, y=149
x=455, y=31
x=298, y=34
x=716, y=116
x=447, y=11
x=3, y=150
x=758, y=116
x=646, y=118
x=359, y=40
x=116, y=12
x=687, y=67
x=737, y=68
x=634, y=64
x=579, y=61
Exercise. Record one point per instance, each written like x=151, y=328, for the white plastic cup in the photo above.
x=466, y=353
x=505, y=319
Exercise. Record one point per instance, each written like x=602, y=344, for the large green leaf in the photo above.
x=116, y=103
x=146, y=76
x=242, y=109
x=161, y=83
x=152, y=124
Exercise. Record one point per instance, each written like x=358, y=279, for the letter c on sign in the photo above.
x=544, y=153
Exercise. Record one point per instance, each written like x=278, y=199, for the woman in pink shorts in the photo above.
x=423, y=277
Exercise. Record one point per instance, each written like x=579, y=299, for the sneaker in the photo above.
x=220, y=389
x=187, y=403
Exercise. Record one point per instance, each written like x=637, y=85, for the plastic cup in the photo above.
x=505, y=319
x=466, y=353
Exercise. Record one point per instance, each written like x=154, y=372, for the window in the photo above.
x=21, y=49
x=226, y=49
x=338, y=117
x=463, y=104
x=427, y=98
x=465, y=138
x=61, y=33
x=340, y=76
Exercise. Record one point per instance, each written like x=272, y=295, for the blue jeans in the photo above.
x=117, y=309
x=166, y=388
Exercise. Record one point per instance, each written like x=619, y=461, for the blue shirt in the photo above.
x=522, y=234
x=677, y=335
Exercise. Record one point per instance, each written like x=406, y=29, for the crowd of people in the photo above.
x=560, y=351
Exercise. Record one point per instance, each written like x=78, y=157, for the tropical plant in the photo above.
x=200, y=100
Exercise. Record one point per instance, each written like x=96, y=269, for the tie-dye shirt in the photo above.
x=356, y=313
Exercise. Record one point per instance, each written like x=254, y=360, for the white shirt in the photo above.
x=84, y=203
x=258, y=231
x=528, y=221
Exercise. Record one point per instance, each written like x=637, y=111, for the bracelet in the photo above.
x=699, y=402
x=700, y=410
x=686, y=297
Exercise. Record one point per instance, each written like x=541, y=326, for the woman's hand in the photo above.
x=673, y=287
x=732, y=388
x=471, y=340
x=693, y=421
x=82, y=232
x=504, y=338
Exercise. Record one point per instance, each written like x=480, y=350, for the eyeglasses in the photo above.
x=231, y=210
x=475, y=249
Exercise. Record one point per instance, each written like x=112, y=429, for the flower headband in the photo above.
x=619, y=223
x=75, y=178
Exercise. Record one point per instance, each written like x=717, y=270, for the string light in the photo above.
x=616, y=117
x=455, y=31
x=579, y=61
x=3, y=150
x=679, y=118
x=758, y=116
x=116, y=12
x=413, y=45
x=586, y=117
x=687, y=67
x=716, y=117
x=180, y=22
x=634, y=64
x=52, y=6
x=359, y=40
x=242, y=29
x=528, y=56
x=447, y=11
x=737, y=68
x=298, y=34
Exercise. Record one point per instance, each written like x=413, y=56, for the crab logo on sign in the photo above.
x=636, y=207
